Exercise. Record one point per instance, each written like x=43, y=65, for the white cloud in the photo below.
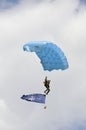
x=21, y=72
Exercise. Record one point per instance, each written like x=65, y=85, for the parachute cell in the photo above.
x=51, y=56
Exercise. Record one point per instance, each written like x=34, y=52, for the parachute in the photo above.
x=50, y=55
x=38, y=98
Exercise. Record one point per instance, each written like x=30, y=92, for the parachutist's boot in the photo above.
x=45, y=91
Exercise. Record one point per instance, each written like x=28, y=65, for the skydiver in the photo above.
x=47, y=85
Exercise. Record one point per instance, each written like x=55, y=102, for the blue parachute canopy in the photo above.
x=51, y=56
x=38, y=98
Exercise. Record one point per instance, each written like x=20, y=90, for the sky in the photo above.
x=59, y=21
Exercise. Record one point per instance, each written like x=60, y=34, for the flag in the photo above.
x=38, y=98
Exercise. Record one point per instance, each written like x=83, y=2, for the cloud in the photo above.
x=83, y=1
x=6, y=4
x=22, y=73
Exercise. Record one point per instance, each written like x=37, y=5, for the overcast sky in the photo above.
x=64, y=23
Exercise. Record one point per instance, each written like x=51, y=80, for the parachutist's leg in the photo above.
x=45, y=91
x=48, y=90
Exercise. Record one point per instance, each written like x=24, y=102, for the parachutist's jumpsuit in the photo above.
x=47, y=85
